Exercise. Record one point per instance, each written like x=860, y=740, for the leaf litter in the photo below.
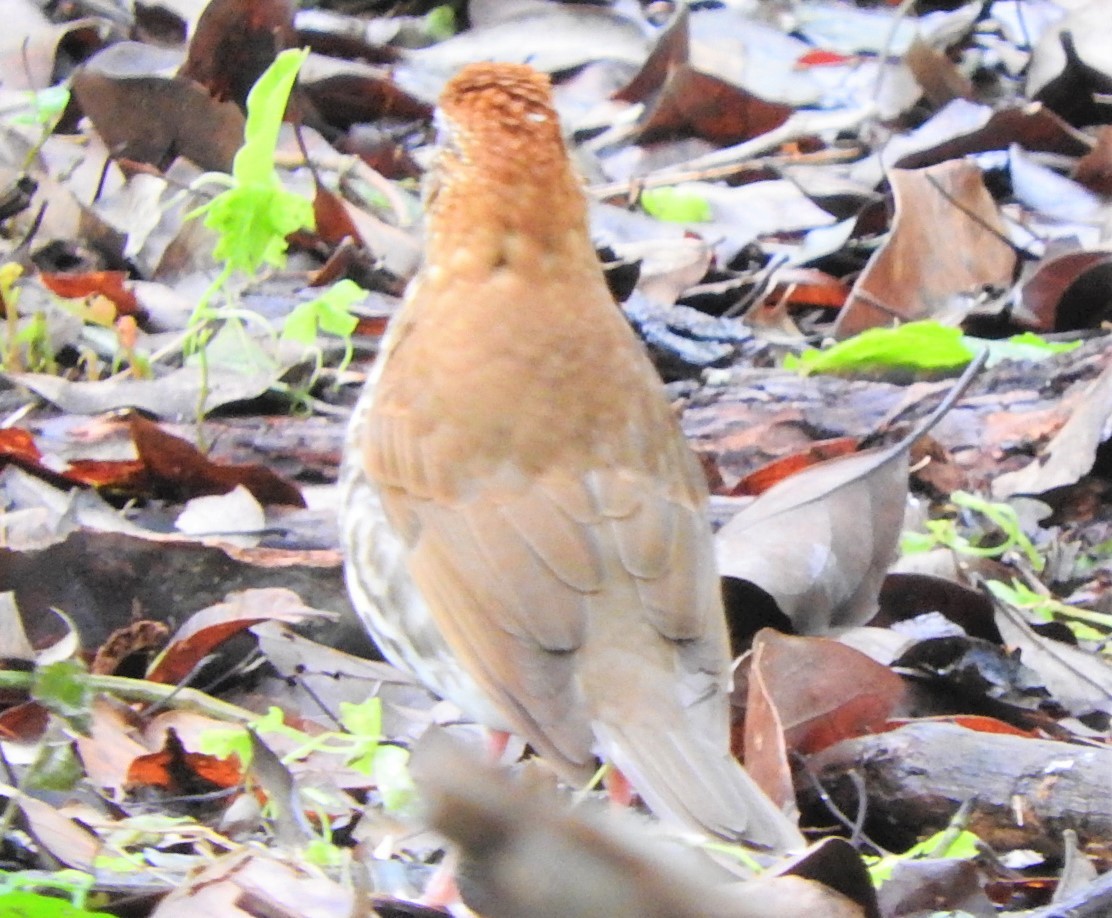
x=946, y=165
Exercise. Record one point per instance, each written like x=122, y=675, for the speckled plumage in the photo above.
x=524, y=524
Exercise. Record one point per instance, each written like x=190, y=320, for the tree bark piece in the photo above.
x=1025, y=791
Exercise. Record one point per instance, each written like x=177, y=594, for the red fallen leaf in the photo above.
x=760, y=480
x=1063, y=292
x=683, y=95
x=807, y=287
x=180, y=465
x=24, y=722
x=703, y=105
x=109, y=284
x=178, y=772
x=372, y=326
x=123, y=474
x=820, y=57
x=977, y=722
x=1094, y=169
x=825, y=691
x=673, y=48
x=334, y=224
x=18, y=444
x=212, y=626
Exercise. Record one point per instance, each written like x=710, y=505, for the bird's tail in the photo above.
x=685, y=779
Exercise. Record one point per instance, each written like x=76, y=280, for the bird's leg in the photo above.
x=497, y=742
x=618, y=788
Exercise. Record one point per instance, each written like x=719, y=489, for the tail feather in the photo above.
x=685, y=779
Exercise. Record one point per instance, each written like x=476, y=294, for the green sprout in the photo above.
x=440, y=22
x=951, y=843
x=360, y=747
x=922, y=347
x=1049, y=609
x=253, y=215
x=944, y=533
x=331, y=313
x=27, y=347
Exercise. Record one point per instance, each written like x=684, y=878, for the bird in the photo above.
x=518, y=854
x=524, y=525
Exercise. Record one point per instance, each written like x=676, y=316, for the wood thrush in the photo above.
x=524, y=524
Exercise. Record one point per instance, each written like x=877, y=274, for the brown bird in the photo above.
x=521, y=853
x=524, y=524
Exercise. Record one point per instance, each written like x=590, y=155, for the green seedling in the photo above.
x=252, y=216
x=360, y=747
x=944, y=533
x=920, y=347
x=1085, y=624
x=676, y=205
x=1027, y=346
x=330, y=313
x=954, y=844
x=26, y=345
x=60, y=687
x=47, y=106
x=255, y=214
x=9, y=302
x=41, y=110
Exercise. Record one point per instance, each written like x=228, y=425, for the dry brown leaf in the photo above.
x=210, y=627
x=144, y=114
x=65, y=838
x=1079, y=679
x=823, y=690
x=234, y=41
x=820, y=542
x=912, y=276
x=250, y=882
x=1072, y=451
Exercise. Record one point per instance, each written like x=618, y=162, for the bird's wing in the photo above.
x=513, y=577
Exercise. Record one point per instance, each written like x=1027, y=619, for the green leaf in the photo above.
x=943, y=533
x=1027, y=347
x=323, y=853
x=253, y=221
x=330, y=312
x=47, y=106
x=363, y=720
x=19, y=899
x=301, y=324
x=59, y=768
x=266, y=104
x=391, y=772
x=60, y=687
x=675, y=205
x=33, y=905
x=915, y=346
x=224, y=742
x=945, y=844
x=254, y=216
x=440, y=22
